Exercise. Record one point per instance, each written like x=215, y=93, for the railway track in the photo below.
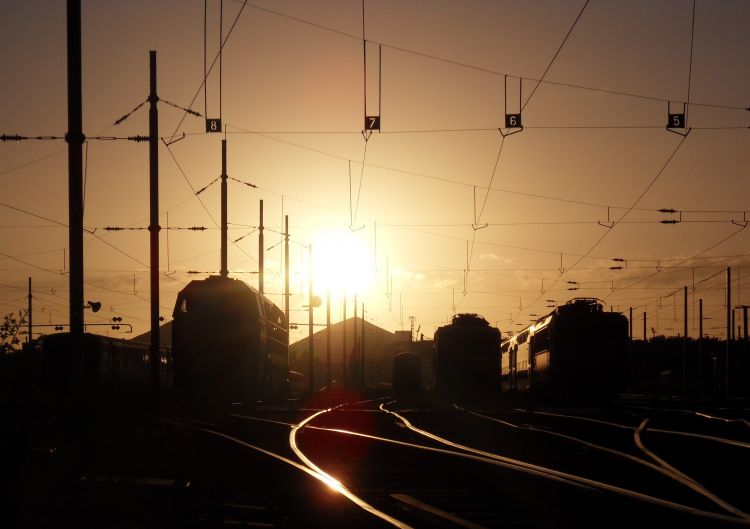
x=378, y=464
x=360, y=450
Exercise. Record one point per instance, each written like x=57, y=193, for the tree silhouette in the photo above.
x=9, y=331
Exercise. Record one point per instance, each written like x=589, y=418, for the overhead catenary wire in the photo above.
x=240, y=130
x=616, y=222
x=205, y=76
x=565, y=39
x=482, y=68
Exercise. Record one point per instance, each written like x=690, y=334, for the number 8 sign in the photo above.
x=213, y=125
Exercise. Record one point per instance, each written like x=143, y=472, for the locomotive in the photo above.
x=229, y=342
x=407, y=373
x=467, y=360
x=577, y=350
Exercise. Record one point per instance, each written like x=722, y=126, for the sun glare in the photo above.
x=341, y=262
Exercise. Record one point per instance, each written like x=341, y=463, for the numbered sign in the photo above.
x=372, y=123
x=512, y=121
x=676, y=121
x=213, y=125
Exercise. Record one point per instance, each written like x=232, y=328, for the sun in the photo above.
x=342, y=262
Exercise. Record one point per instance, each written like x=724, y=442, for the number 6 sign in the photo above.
x=512, y=121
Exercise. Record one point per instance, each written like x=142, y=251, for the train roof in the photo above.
x=575, y=305
x=219, y=282
x=213, y=285
x=469, y=319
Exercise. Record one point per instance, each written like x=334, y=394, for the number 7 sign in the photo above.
x=372, y=123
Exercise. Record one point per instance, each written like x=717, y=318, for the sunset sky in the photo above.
x=579, y=186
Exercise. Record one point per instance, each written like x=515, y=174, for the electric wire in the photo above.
x=484, y=69
x=555, y=55
x=203, y=82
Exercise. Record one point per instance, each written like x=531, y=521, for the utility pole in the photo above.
x=684, y=341
x=311, y=345
x=153, y=228
x=700, y=337
x=344, y=379
x=354, y=346
x=29, y=312
x=328, y=338
x=630, y=325
x=362, y=354
x=645, y=336
x=630, y=343
x=286, y=271
x=261, y=253
x=224, y=272
x=75, y=139
x=729, y=331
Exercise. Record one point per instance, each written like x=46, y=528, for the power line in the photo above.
x=240, y=130
x=205, y=76
x=484, y=69
x=555, y=56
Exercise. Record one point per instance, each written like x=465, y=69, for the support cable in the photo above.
x=480, y=68
x=555, y=56
x=203, y=83
x=616, y=222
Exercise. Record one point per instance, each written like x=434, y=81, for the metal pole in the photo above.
x=344, y=379
x=353, y=363
x=630, y=343
x=153, y=228
x=224, y=272
x=362, y=354
x=75, y=139
x=729, y=330
x=286, y=268
x=328, y=338
x=700, y=337
x=261, y=253
x=684, y=341
x=29, y=313
x=630, y=325
x=311, y=345
x=645, y=336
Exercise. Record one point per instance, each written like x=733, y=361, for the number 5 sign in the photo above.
x=676, y=121
x=213, y=125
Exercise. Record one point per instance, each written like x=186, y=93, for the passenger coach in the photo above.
x=578, y=350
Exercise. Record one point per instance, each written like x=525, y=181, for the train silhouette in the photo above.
x=467, y=359
x=56, y=364
x=577, y=351
x=229, y=341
